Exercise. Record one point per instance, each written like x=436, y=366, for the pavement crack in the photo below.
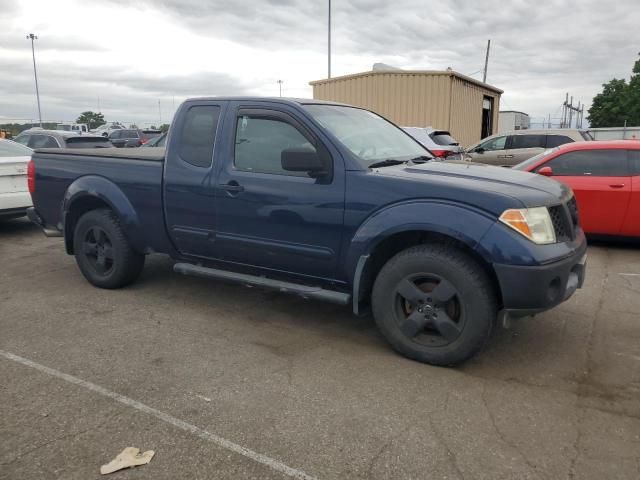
x=582, y=389
x=452, y=458
x=501, y=435
x=384, y=448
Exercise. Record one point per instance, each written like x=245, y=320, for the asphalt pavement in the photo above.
x=223, y=381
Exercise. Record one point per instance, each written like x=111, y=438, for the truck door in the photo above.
x=270, y=217
x=188, y=190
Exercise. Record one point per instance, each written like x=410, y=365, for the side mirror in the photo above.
x=302, y=160
x=479, y=150
x=546, y=171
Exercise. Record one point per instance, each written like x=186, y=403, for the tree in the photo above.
x=92, y=119
x=164, y=127
x=618, y=103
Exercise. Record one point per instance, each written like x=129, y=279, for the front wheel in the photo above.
x=434, y=304
x=102, y=251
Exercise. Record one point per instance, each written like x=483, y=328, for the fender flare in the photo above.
x=100, y=188
x=463, y=222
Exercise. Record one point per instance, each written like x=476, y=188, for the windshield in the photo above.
x=368, y=136
x=13, y=149
x=525, y=165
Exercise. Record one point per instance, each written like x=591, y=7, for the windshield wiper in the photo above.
x=422, y=158
x=387, y=163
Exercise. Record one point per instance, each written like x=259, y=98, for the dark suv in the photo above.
x=132, y=137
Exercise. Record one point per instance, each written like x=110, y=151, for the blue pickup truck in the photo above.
x=327, y=201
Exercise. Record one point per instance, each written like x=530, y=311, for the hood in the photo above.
x=530, y=190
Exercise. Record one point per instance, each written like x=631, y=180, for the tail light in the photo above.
x=31, y=176
x=441, y=153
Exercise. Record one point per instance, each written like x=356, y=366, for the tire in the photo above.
x=434, y=304
x=103, y=253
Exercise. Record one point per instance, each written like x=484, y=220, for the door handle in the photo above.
x=505, y=156
x=232, y=187
x=617, y=185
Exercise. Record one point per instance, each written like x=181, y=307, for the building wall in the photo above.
x=466, y=111
x=513, y=121
x=437, y=99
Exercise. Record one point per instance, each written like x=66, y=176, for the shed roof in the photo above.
x=449, y=73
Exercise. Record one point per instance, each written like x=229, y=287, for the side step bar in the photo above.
x=285, y=287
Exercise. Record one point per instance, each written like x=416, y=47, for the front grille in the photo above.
x=565, y=220
x=572, y=205
x=560, y=223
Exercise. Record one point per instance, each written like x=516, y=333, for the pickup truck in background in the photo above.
x=327, y=201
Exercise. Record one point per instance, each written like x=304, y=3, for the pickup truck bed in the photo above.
x=326, y=201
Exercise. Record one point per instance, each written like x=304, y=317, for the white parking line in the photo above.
x=176, y=422
x=630, y=274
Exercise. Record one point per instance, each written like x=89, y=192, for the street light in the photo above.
x=35, y=74
x=329, y=41
x=280, y=82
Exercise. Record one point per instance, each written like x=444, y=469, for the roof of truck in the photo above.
x=288, y=100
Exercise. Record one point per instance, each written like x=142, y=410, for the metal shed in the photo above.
x=444, y=100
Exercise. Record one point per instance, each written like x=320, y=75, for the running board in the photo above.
x=254, y=280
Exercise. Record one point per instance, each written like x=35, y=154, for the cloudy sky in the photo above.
x=124, y=57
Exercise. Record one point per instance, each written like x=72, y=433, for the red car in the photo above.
x=605, y=177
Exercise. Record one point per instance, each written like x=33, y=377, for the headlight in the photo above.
x=533, y=223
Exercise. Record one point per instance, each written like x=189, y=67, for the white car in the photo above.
x=14, y=193
x=106, y=129
x=439, y=142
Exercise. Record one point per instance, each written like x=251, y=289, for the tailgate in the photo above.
x=13, y=176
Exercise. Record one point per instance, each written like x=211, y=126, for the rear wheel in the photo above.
x=102, y=251
x=434, y=304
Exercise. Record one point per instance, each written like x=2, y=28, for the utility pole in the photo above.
x=568, y=109
x=329, y=43
x=486, y=62
x=35, y=74
x=280, y=82
x=159, y=112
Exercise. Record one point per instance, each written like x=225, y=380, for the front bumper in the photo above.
x=527, y=290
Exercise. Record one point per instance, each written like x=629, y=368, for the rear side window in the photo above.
x=528, y=141
x=128, y=134
x=634, y=162
x=557, y=140
x=22, y=139
x=43, y=141
x=116, y=134
x=198, y=135
x=597, y=163
x=443, y=138
x=260, y=142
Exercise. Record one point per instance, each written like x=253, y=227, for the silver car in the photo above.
x=439, y=142
x=510, y=148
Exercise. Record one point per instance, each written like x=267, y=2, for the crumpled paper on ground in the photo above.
x=129, y=457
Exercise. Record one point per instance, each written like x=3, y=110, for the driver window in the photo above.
x=494, y=144
x=260, y=142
